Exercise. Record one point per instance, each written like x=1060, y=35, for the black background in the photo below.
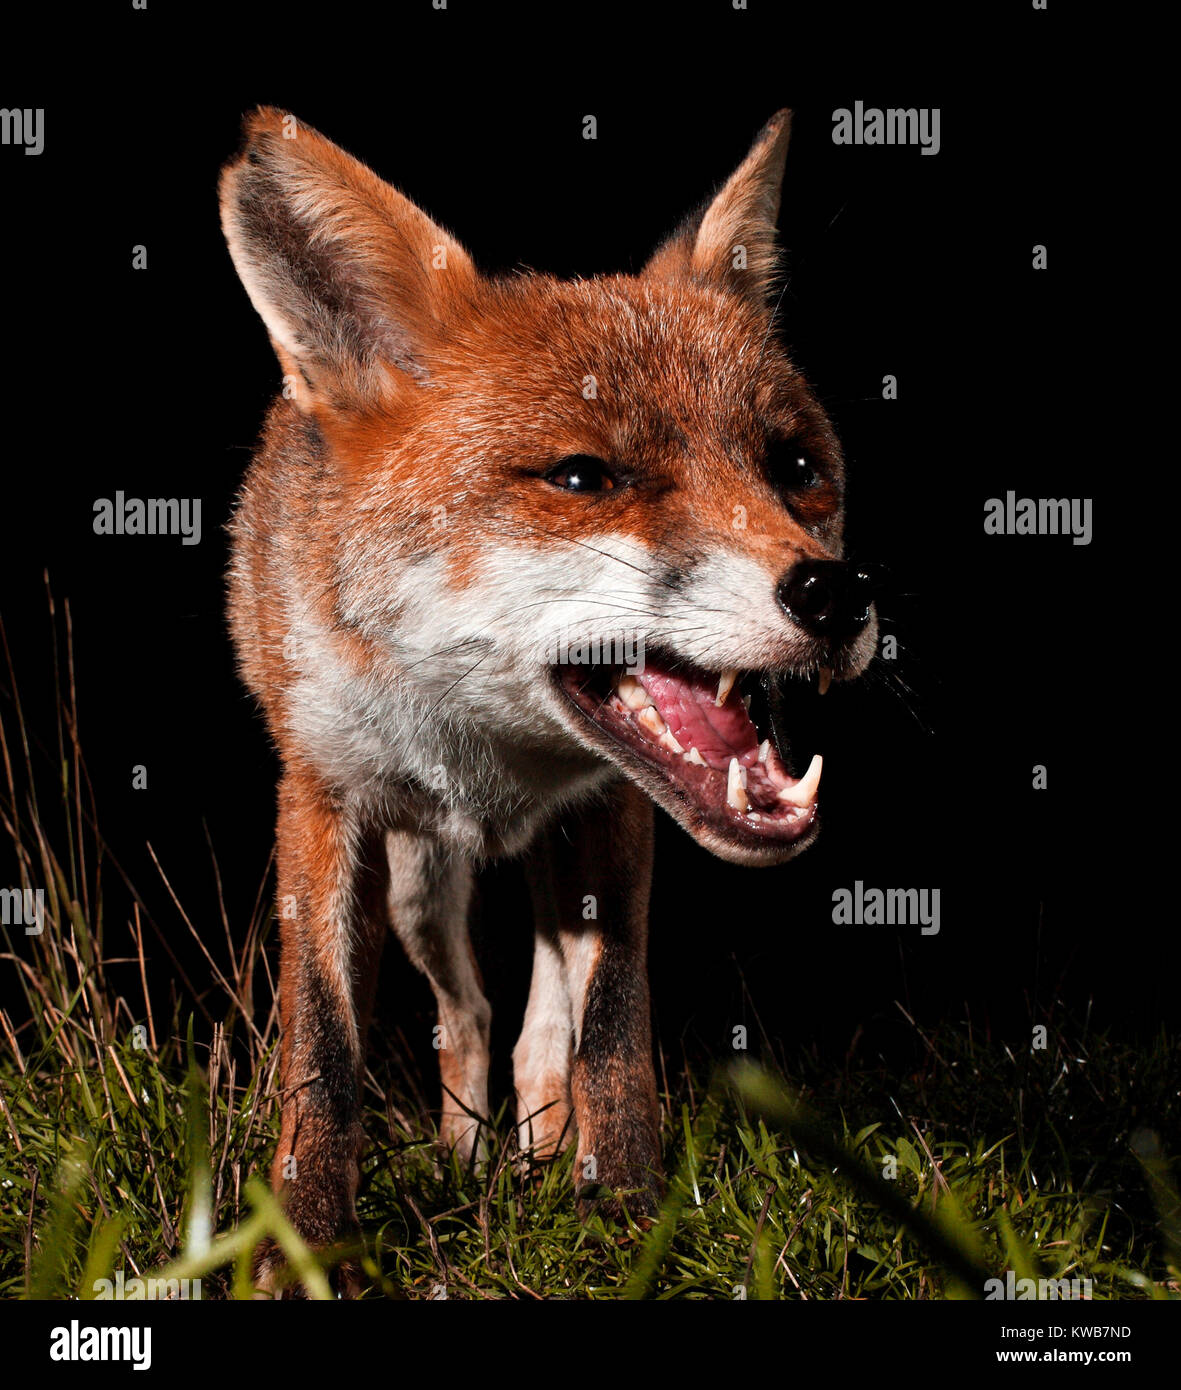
x=1016, y=650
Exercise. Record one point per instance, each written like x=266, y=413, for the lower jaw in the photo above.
x=740, y=845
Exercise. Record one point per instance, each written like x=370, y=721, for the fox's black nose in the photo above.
x=827, y=598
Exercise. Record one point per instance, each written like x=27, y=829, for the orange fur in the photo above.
x=402, y=555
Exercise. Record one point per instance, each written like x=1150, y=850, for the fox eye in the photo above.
x=792, y=466
x=581, y=473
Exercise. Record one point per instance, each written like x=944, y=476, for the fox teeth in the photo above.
x=764, y=750
x=736, y=786
x=693, y=756
x=824, y=679
x=632, y=693
x=649, y=718
x=725, y=685
x=668, y=741
x=803, y=793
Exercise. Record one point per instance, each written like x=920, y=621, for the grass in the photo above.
x=133, y=1140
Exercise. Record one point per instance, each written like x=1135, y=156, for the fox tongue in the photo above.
x=687, y=704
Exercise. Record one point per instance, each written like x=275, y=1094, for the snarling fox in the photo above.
x=517, y=559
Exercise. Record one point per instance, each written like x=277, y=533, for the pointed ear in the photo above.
x=353, y=282
x=730, y=243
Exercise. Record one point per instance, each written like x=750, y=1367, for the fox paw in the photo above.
x=274, y=1278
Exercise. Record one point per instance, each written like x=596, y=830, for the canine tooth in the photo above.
x=632, y=693
x=804, y=792
x=824, y=680
x=725, y=685
x=736, y=786
x=693, y=756
x=668, y=741
x=764, y=750
x=650, y=718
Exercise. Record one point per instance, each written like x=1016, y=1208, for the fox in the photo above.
x=517, y=561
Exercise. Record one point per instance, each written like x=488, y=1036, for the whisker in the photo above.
x=889, y=680
x=448, y=691
x=443, y=651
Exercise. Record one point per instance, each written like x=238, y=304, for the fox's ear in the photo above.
x=731, y=243
x=353, y=282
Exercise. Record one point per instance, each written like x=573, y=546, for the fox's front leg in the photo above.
x=332, y=887
x=430, y=900
x=595, y=870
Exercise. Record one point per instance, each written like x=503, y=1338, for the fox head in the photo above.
x=535, y=530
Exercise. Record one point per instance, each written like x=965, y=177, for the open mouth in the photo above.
x=712, y=747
